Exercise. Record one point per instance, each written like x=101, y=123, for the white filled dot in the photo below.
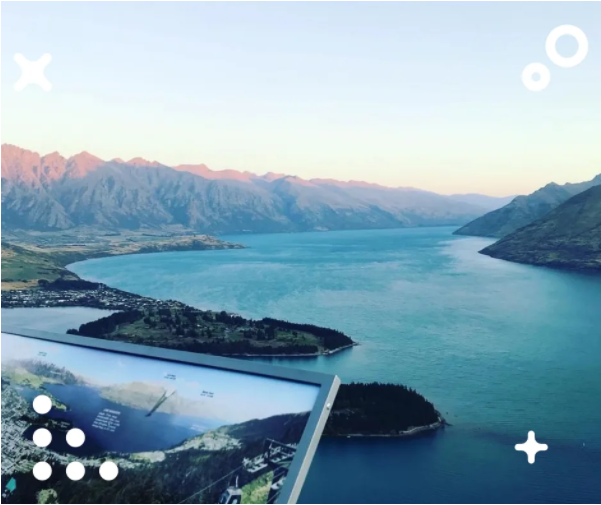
x=109, y=470
x=75, y=470
x=42, y=471
x=42, y=437
x=76, y=437
x=42, y=404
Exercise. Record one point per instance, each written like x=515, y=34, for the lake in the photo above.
x=135, y=432
x=499, y=348
x=53, y=319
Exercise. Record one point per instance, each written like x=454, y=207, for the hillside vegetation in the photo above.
x=524, y=210
x=379, y=409
x=24, y=266
x=568, y=237
x=194, y=330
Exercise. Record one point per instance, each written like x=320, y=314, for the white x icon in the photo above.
x=32, y=72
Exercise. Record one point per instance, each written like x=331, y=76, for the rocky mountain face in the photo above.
x=51, y=192
x=524, y=210
x=567, y=237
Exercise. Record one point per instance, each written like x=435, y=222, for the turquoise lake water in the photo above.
x=499, y=348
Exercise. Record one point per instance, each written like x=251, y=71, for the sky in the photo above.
x=425, y=94
x=232, y=400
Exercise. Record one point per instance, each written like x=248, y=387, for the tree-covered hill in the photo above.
x=188, y=329
x=568, y=237
x=379, y=409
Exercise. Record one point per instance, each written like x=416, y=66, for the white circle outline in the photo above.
x=76, y=437
x=42, y=471
x=42, y=437
x=551, y=46
x=76, y=470
x=109, y=470
x=536, y=68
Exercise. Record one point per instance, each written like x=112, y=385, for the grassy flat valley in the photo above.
x=23, y=268
x=43, y=256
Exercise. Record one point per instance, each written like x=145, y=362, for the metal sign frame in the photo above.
x=328, y=388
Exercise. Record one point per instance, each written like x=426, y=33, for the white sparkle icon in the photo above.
x=32, y=72
x=531, y=447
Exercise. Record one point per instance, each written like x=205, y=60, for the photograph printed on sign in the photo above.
x=178, y=433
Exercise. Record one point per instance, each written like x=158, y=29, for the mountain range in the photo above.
x=51, y=192
x=145, y=395
x=568, y=236
x=524, y=210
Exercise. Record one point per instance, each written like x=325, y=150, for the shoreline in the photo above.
x=51, y=262
x=557, y=265
x=311, y=355
x=70, y=290
x=100, y=296
x=404, y=434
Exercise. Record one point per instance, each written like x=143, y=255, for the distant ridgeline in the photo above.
x=568, y=237
x=188, y=329
x=381, y=410
x=556, y=226
x=52, y=193
x=524, y=210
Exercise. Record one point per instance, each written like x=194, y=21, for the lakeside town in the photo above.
x=79, y=293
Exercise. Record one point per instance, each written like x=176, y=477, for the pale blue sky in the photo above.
x=426, y=95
